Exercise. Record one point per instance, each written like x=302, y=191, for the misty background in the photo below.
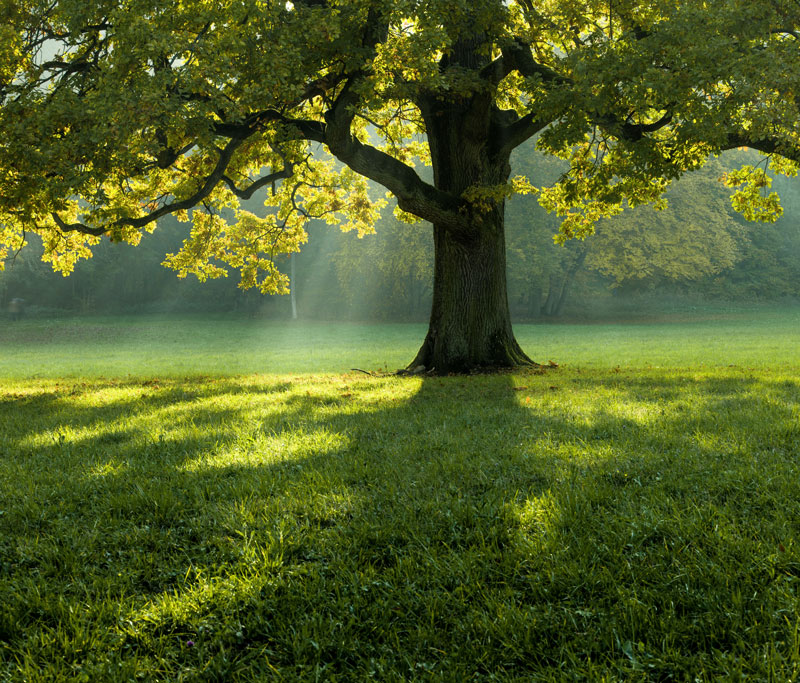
x=697, y=251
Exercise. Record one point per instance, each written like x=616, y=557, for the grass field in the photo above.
x=166, y=346
x=168, y=514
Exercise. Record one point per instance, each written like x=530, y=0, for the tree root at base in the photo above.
x=420, y=370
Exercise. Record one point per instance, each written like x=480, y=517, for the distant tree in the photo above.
x=121, y=278
x=114, y=114
x=695, y=236
x=535, y=263
x=769, y=264
x=387, y=274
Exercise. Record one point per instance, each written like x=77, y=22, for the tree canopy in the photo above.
x=115, y=114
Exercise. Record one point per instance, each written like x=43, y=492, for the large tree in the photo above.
x=115, y=113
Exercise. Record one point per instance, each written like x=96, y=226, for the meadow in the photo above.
x=186, y=499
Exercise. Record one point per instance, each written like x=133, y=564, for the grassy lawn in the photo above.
x=166, y=514
x=166, y=346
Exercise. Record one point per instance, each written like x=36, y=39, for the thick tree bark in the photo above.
x=470, y=324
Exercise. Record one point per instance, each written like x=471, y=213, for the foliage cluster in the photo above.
x=696, y=245
x=116, y=115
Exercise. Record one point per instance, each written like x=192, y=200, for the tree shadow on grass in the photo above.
x=450, y=528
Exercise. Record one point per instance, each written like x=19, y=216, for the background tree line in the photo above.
x=697, y=246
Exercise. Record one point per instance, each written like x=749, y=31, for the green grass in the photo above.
x=168, y=346
x=590, y=523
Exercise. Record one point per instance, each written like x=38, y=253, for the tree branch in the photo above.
x=76, y=227
x=211, y=181
x=631, y=132
x=256, y=185
x=413, y=194
x=765, y=144
x=512, y=135
x=495, y=71
x=519, y=57
x=786, y=32
x=307, y=128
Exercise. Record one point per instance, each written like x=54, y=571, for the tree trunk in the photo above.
x=292, y=287
x=548, y=307
x=557, y=295
x=577, y=264
x=470, y=324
